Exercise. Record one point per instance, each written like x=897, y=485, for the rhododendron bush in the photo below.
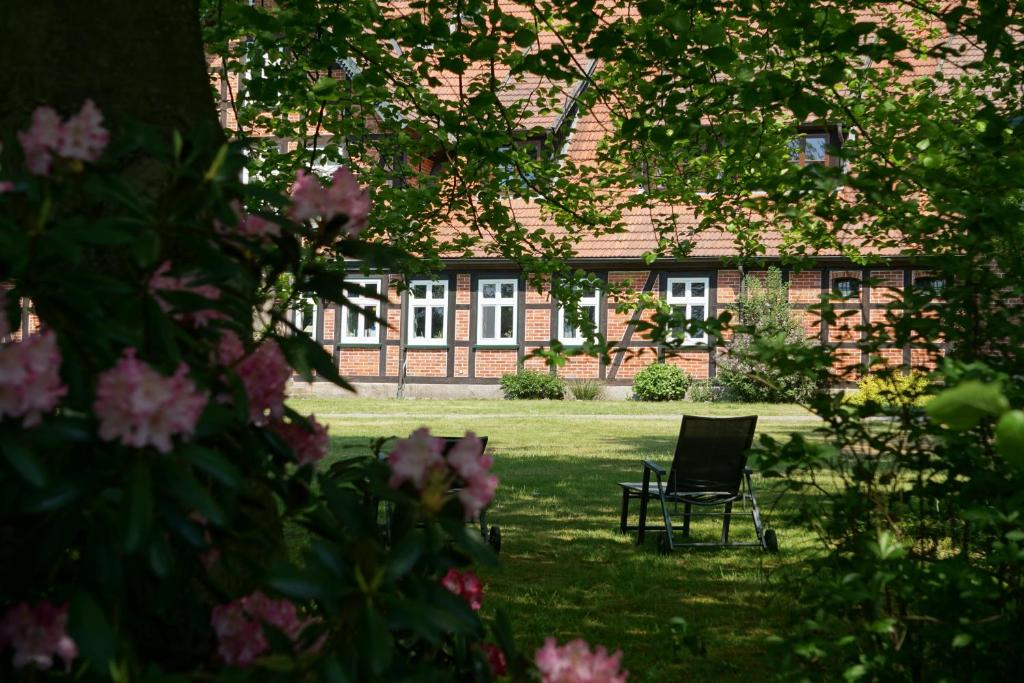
x=151, y=466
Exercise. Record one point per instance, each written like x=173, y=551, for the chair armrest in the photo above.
x=648, y=465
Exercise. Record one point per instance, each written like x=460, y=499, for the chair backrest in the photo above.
x=450, y=441
x=711, y=453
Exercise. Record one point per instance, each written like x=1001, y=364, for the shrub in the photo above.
x=704, y=391
x=586, y=389
x=527, y=384
x=764, y=313
x=660, y=382
x=891, y=390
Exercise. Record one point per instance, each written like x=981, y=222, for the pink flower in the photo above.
x=229, y=349
x=495, y=658
x=6, y=186
x=413, y=459
x=473, y=469
x=248, y=225
x=309, y=446
x=575, y=663
x=239, y=627
x=466, y=585
x=37, y=633
x=41, y=139
x=83, y=136
x=160, y=281
x=265, y=374
x=140, y=407
x=344, y=197
x=30, y=383
x=307, y=197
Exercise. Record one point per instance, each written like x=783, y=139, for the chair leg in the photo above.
x=725, y=522
x=687, y=508
x=624, y=517
x=755, y=513
x=483, y=524
x=668, y=524
x=643, y=520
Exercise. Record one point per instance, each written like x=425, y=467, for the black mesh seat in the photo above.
x=709, y=470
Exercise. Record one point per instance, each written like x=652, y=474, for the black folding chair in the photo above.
x=709, y=470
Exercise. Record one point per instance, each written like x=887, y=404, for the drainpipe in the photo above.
x=402, y=341
x=742, y=293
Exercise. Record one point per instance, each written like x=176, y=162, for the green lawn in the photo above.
x=566, y=570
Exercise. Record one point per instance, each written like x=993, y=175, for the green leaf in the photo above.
x=214, y=464
x=190, y=492
x=962, y=640
x=91, y=631
x=140, y=507
x=24, y=463
x=963, y=406
x=375, y=640
x=525, y=37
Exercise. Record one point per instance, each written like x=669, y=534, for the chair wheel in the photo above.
x=494, y=539
x=771, y=541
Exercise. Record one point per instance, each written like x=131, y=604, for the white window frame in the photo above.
x=498, y=301
x=584, y=301
x=687, y=302
x=298, y=321
x=429, y=302
x=362, y=302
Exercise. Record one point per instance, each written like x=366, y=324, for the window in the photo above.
x=496, y=311
x=428, y=312
x=809, y=149
x=304, y=317
x=688, y=297
x=930, y=285
x=359, y=317
x=846, y=287
x=588, y=307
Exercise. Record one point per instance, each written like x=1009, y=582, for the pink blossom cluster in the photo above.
x=160, y=281
x=239, y=627
x=140, y=407
x=418, y=460
x=309, y=446
x=248, y=225
x=466, y=585
x=81, y=137
x=495, y=658
x=474, y=473
x=36, y=633
x=265, y=374
x=575, y=663
x=344, y=197
x=30, y=383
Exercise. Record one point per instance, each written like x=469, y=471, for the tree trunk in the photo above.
x=139, y=60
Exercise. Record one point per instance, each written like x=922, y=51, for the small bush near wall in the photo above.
x=586, y=389
x=704, y=391
x=660, y=382
x=529, y=384
x=891, y=391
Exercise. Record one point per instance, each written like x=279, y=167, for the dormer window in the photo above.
x=811, y=148
x=846, y=287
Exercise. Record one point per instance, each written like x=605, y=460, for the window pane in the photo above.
x=419, y=322
x=375, y=286
x=697, y=289
x=590, y=314
x=437, y=322
x=489, y=290
x=794, y=150
x=437, y=291
x=488, y=331
x=352, y=323
x=696, y=313
x=814, y=148
x=679, y=289
x=568, y=331
x=371, y=330
x=506, y=322
x=419, y=291
x=679, y=312
x=588, y=292
x=508, y=290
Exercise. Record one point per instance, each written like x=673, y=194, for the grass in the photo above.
x=566, y=571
